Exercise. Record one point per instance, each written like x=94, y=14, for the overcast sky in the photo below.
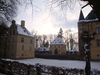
x=45, y=21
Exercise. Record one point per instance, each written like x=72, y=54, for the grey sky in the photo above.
x=45, y=21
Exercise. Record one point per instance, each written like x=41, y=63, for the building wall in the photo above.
x=15, y=51
x=11, y=46
x=61, y=49
x=95, y=50
x=25, y=49
x=90, y=27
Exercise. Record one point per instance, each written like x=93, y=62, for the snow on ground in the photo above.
x=61, y=63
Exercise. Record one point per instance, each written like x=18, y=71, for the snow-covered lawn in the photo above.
x=61, y=63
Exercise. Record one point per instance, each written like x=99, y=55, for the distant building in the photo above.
x=20, y=42
x=57, y=46
x=40, y=50
x=90, y=24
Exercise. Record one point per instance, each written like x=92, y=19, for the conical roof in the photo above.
x=81, y=17
x=91, y=16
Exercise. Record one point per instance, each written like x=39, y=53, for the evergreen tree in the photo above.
x=60, y=34
x=3, y=39
x=47, y=44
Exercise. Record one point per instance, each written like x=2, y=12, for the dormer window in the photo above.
x=24, y=30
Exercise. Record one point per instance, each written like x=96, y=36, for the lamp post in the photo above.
x=86, y=37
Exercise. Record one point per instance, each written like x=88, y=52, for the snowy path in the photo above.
x=61, y=63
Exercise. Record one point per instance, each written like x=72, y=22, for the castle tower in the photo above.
x=90, y=24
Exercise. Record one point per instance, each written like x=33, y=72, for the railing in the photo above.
x=16, y=68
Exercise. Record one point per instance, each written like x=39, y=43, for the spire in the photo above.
x=91, y=16
x=81, y=17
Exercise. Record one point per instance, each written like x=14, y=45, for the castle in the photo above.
x=90, y=24
x=20, y=42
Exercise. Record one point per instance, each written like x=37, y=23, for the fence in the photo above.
x=16, y=68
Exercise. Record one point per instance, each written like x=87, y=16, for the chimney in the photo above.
x=22, y=23
x=13, y=22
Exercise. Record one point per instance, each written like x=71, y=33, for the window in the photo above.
x=98, y=30
x=98, y=55
x=22, y=47
x=13, y=39
x=22, y=39
x=98, y=43
x=30, y=40
x=22, y=54
x=12, y=47
x=30, y=48
x=59, y=46
x=8, y=48
x=13, y=31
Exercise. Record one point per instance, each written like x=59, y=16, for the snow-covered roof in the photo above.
x=88, y=20
x=23, y=31
x=43, y=49
x=57, y=40
x=90, y=17
x=73, y=50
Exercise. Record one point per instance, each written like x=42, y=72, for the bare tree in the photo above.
x=50, y=38
x=44, y=39
x=67, y=38
x=95, y=4
x=8, y=10
x=40, y=40
x=71, y=39
x=3, y=39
